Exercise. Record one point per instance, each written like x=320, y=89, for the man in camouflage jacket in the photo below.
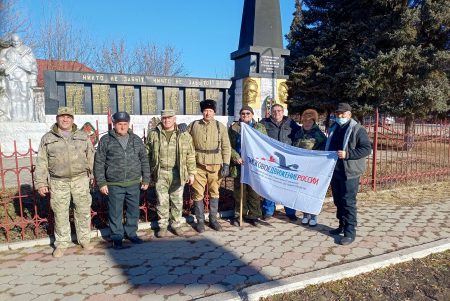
x=172, y=164
x=64, y=167
x=252, y=201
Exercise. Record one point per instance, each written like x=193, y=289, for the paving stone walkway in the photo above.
x=191, y=267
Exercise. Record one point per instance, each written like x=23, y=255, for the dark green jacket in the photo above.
x=114, y=165
x=234, y=132
x=314, y=138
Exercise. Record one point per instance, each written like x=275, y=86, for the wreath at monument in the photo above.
x=89, y=129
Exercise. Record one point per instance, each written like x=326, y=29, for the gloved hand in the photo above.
x=225, y=170
x=182, y=127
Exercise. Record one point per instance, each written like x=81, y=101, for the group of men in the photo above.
x=198, y=155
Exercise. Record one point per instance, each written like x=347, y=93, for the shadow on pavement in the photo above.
x=191, y=266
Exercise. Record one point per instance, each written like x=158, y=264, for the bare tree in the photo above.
x=155, y=60
x=115, y=58
x=58, y=40
x=12, y=20
x=145, y=58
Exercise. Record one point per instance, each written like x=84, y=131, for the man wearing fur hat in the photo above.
x=212, y=154
x=64, y=168
x=310, y=136
x=252, y=201
x=172, y=164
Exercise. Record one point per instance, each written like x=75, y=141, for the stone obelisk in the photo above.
x=259, y=77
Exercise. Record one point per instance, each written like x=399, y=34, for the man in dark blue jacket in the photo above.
x=121, y=169
x=283, y=129
x=351, y=142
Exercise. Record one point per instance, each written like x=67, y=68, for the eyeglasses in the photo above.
x=245, y=113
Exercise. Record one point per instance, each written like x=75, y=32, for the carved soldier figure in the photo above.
x=20, y=68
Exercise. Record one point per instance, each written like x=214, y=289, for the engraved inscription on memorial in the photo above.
x=171, y=99
x=269, y=64
x=149, y=101
x=125, y=98
x=213, y=94
x=192, y=101
x=100, y=97
x=75, y=97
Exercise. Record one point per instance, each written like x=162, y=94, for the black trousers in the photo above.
x=344, y=197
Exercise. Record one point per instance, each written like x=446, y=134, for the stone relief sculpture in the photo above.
x=19, y=69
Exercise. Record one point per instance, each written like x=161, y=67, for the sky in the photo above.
x=205, y=32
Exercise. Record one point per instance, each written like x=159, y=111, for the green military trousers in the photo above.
x=61, y=193
x=169, y=191
x=252, y=201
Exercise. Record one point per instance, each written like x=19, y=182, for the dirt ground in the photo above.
x=420, y=279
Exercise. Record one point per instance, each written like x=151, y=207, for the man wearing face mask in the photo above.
x=351, y=143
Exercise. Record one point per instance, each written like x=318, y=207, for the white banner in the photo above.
x=295, y=177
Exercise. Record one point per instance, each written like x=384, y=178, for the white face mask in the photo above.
x=342, y=120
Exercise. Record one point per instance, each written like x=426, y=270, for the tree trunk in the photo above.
x=409, y=133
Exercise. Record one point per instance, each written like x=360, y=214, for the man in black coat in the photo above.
x=352, y=145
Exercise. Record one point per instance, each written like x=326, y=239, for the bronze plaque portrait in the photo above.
x=250, y=91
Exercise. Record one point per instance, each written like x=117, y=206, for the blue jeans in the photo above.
x=117, y=197
x=268, y=208
x=344, y=197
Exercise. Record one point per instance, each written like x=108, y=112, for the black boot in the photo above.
x=200, y=216
x=213, y=210
x=338, y=230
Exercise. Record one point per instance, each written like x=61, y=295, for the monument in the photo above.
x=19, y=72
x=259, y=78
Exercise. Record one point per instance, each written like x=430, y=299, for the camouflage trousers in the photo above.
x=169, y=191
x=61, y=194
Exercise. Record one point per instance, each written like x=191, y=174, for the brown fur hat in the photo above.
x=310, y=114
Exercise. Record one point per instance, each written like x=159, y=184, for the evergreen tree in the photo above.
x=371, y=53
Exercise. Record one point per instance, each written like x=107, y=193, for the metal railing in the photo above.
x=398, y=159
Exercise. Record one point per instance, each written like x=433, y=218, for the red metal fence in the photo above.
x=421, y=156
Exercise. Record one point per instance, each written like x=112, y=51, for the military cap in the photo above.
x=65, y=111
x=343, y=107
x=168, y=113
x=208, y=104
x=121, y=116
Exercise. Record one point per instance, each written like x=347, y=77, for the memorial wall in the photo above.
x=95, y=93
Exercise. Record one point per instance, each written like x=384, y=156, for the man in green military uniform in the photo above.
x=172, y=164
x=212, y=155
x=252, y=201
x=64, y=168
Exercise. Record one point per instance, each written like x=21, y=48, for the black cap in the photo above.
x=208, y=104
x=121, y=116
x=343, y=107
